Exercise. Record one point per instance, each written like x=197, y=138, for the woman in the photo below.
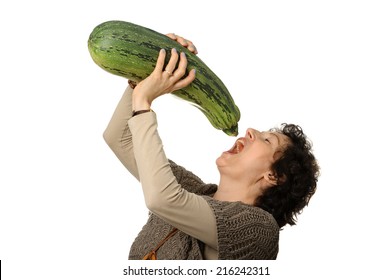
x=266, y=178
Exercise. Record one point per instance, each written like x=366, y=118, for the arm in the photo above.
x=164, y=196
x=118, y=137
x=117, y=134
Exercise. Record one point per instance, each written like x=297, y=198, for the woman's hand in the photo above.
x=184, y=42
x=161, y=80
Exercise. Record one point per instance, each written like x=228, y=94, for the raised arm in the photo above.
x=164, y=196
x=117, y=134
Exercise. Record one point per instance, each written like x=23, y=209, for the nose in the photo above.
x=250, y=134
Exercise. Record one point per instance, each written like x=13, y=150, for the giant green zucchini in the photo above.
x=129, y=50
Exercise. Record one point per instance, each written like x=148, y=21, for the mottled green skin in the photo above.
x=131, y=51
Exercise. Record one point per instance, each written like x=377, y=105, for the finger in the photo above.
x=160, y=61
x=182, y=41
x=188, y=44
x=171, y=36
x=186, y=81
x=172, y=62
x=181, y=70
x=192, y=48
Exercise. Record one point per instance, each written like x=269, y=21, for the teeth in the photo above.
x=237, y=148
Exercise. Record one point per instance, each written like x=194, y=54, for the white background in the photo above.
x=69, y=210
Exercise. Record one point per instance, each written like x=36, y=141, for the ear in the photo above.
x=271, y=178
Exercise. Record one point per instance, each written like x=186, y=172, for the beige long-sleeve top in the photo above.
x=136, y=143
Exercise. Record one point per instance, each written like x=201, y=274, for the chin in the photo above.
x=220, y=162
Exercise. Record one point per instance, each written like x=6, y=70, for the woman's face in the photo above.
x=252, y=155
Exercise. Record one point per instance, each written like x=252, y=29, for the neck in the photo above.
x=231, y=190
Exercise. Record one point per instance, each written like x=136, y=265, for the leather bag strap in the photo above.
x=152, y=254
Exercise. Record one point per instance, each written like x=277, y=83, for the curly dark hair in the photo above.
x=298, y=171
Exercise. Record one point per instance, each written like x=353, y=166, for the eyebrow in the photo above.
x=275, y=135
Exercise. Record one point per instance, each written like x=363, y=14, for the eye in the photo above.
x=267, y=140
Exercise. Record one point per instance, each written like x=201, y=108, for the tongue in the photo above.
x=239, y=147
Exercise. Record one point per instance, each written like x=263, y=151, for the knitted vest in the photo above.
x=244, y=232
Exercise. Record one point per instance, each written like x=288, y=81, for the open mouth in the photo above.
x=237, y=147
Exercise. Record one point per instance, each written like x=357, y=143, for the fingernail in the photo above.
x=174, y=50
x=163, y=50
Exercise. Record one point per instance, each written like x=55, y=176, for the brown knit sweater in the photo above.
x=244, y=232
